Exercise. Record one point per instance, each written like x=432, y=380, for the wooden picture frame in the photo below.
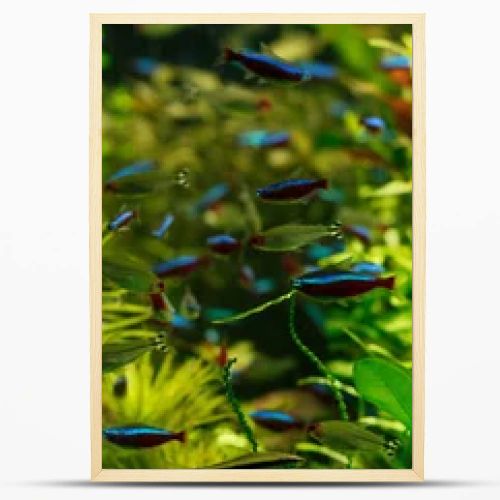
x=259, y=475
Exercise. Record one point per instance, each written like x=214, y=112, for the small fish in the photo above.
x=122, y=219
x=367, y=268
x=276, y=420
x=263, y=286
x=223, y=244
x=189, y=307
x=291, y=190
x=263, y=139
x=389, y=63
x=373, y=123
x=266, y=65
x=141, y=167
x=145, y=65
x=179, y=322
x=141, y=436
x=180, y=266
x=360, y=232
x=290, y=237
x=339, y=284
x=319, y=251
x=320, y=71
x=164, y=226
x=211, y=197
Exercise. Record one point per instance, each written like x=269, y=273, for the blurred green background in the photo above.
x=165, y=101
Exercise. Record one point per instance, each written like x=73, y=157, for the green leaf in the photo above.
x=259, y=461
x=386, y=385
x=341, y=435
x=115, y=356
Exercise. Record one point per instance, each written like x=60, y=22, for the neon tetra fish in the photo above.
x=339, y=284
x=223, y=244
x=276, y=420
x=291, y=190
x=395, y=62
x=211, y=197
x=263, y=139
x=320, y=71
x=141, y=436
x=141, y=167
x=164, y=226
x=121, y=220
x=180, y=266
x=266, y=65
x=373, y=124
x=358, y=231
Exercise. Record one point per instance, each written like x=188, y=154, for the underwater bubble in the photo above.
x=182, y=178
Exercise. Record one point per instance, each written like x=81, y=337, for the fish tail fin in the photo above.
x=323, y=184
x=182, y=436
x=388, y=282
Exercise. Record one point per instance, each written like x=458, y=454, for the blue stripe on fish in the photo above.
x=145, y=65
x=211, y=197
x=367, y=268
x=373, y=123
x=181, y=322
x=263, y=139
x=223, y=243
x=166, y=223
x=121, y=220
x=338, y=284
x=180, y=266
x=141, y=436
x=141, y=167
x=276, y=420
x=291, y=189
x=320, y=71
x=395, y=62
x=266, y=65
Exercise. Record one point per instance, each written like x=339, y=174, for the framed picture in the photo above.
x=257, y=244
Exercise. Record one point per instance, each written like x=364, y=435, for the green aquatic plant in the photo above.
x=171, y=130
x=172, y=394
x=236, y=405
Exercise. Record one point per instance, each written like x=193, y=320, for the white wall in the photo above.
x=44, y=415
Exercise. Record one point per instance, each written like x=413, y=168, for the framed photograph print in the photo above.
x=257, y=244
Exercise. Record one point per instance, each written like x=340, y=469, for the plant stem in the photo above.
x=317, y=362
x=235, y=404
x=255, y=310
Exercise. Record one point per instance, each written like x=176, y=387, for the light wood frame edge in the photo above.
x=419, y=247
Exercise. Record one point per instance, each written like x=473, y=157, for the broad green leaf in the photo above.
x=392, y=188
x=386, y=385
x=259, y=461
x=117, y=355
x=382, y=43
x=346, y=436
x=322, y=450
